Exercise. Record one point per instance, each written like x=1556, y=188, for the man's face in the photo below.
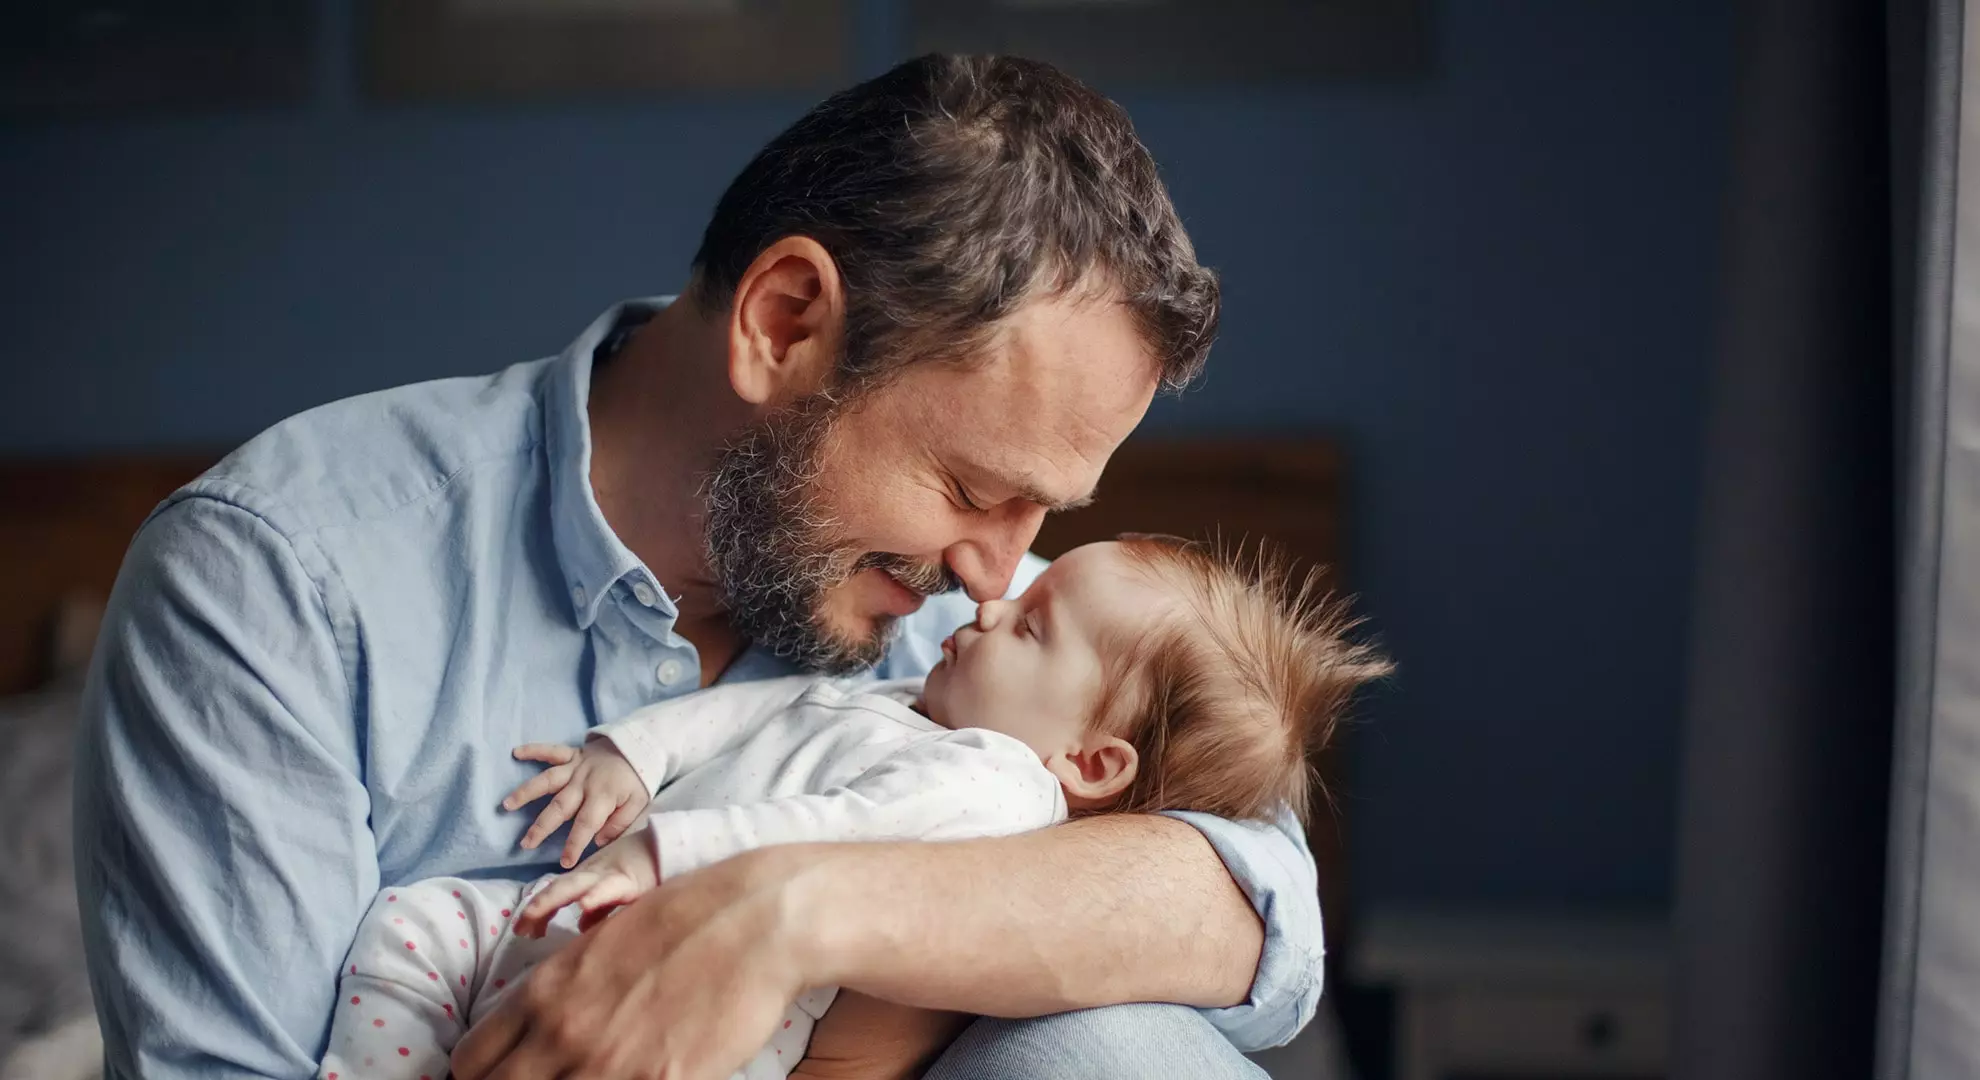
x=826, y=524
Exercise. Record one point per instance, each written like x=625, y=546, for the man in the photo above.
x=920, y=319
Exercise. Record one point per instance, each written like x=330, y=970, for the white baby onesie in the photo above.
x=734, y=768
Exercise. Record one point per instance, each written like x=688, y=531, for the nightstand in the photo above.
x=1520, y=997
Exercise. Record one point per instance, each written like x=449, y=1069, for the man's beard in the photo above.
x=773, y=550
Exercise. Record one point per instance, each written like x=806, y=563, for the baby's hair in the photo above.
x=1225, y=701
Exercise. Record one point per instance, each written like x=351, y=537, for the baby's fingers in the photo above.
x=625, y=817
x=547, y=753
x=538, y=786
x=536, y=915
x=603, y=898
x=559, y=811
x=583, y=828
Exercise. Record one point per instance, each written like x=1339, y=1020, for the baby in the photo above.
x=1132, y=676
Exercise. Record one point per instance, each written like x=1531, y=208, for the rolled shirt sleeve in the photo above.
x=223, y=851
x=1272, y=865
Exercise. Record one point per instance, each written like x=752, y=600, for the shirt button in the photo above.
x=578, y=594
x=670, y=671
x=643, y=593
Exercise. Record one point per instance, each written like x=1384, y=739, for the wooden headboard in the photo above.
x=64, y=526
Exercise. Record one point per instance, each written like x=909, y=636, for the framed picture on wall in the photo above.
x=523, y=49
x=1172, y=42
x=114, y=57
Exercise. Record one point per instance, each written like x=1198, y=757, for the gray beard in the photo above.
x=773, y=552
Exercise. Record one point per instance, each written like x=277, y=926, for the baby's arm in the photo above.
x=603, y=786
x=964, y=784
x=667, y=739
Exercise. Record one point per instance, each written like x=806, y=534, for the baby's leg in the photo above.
x=509, y=957
x=418, y=965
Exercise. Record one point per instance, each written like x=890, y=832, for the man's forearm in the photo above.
x=1094, y=912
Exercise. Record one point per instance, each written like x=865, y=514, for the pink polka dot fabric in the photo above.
x=414, y=982
x=413, y=985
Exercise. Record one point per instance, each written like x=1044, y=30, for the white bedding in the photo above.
x=47, y=1026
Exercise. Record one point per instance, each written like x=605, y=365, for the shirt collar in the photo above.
x=592, y=557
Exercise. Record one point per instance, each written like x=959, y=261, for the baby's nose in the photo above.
x=990, y=614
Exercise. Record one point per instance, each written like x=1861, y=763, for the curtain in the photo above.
x=1789, y=722
x=1929, y=1020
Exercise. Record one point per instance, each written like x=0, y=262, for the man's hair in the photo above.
x=1226, y=702
x=953, y=190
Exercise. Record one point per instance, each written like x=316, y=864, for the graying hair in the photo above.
x=951, y=191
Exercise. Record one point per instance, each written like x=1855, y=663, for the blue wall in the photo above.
x=1493, y=285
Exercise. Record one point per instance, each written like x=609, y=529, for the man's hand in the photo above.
x=597, y=790
x=863, y=1038
x=616, y=874
x=716, y=953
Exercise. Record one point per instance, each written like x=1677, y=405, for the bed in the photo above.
x=64, y=525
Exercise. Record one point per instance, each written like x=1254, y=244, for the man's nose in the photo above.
x=982, y=578
x=987, y=562
x=985, y=572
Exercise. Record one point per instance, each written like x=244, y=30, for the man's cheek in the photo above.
x=912, y=528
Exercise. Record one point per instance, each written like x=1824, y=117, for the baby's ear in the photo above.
x=1096, y=771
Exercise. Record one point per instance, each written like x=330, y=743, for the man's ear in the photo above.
x=786, y=324
x=1096, y=771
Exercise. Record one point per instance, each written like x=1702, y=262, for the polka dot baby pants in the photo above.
x=432, y=957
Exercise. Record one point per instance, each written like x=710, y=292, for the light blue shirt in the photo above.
x=317, y=659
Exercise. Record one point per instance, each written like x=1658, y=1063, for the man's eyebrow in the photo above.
x=1024, y=485
x=1027, y=489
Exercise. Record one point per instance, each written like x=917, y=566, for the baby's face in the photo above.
x=1032, y=667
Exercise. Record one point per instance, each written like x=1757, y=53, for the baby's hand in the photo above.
x=618, y=873
x=597, y=789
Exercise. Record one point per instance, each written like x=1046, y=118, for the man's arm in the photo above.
x=223, y=856
x=1099, y=911
x=1269, y=863
x=1273, y=866
x=1094, y=912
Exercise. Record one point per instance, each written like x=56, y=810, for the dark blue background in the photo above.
x=1493, y=285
